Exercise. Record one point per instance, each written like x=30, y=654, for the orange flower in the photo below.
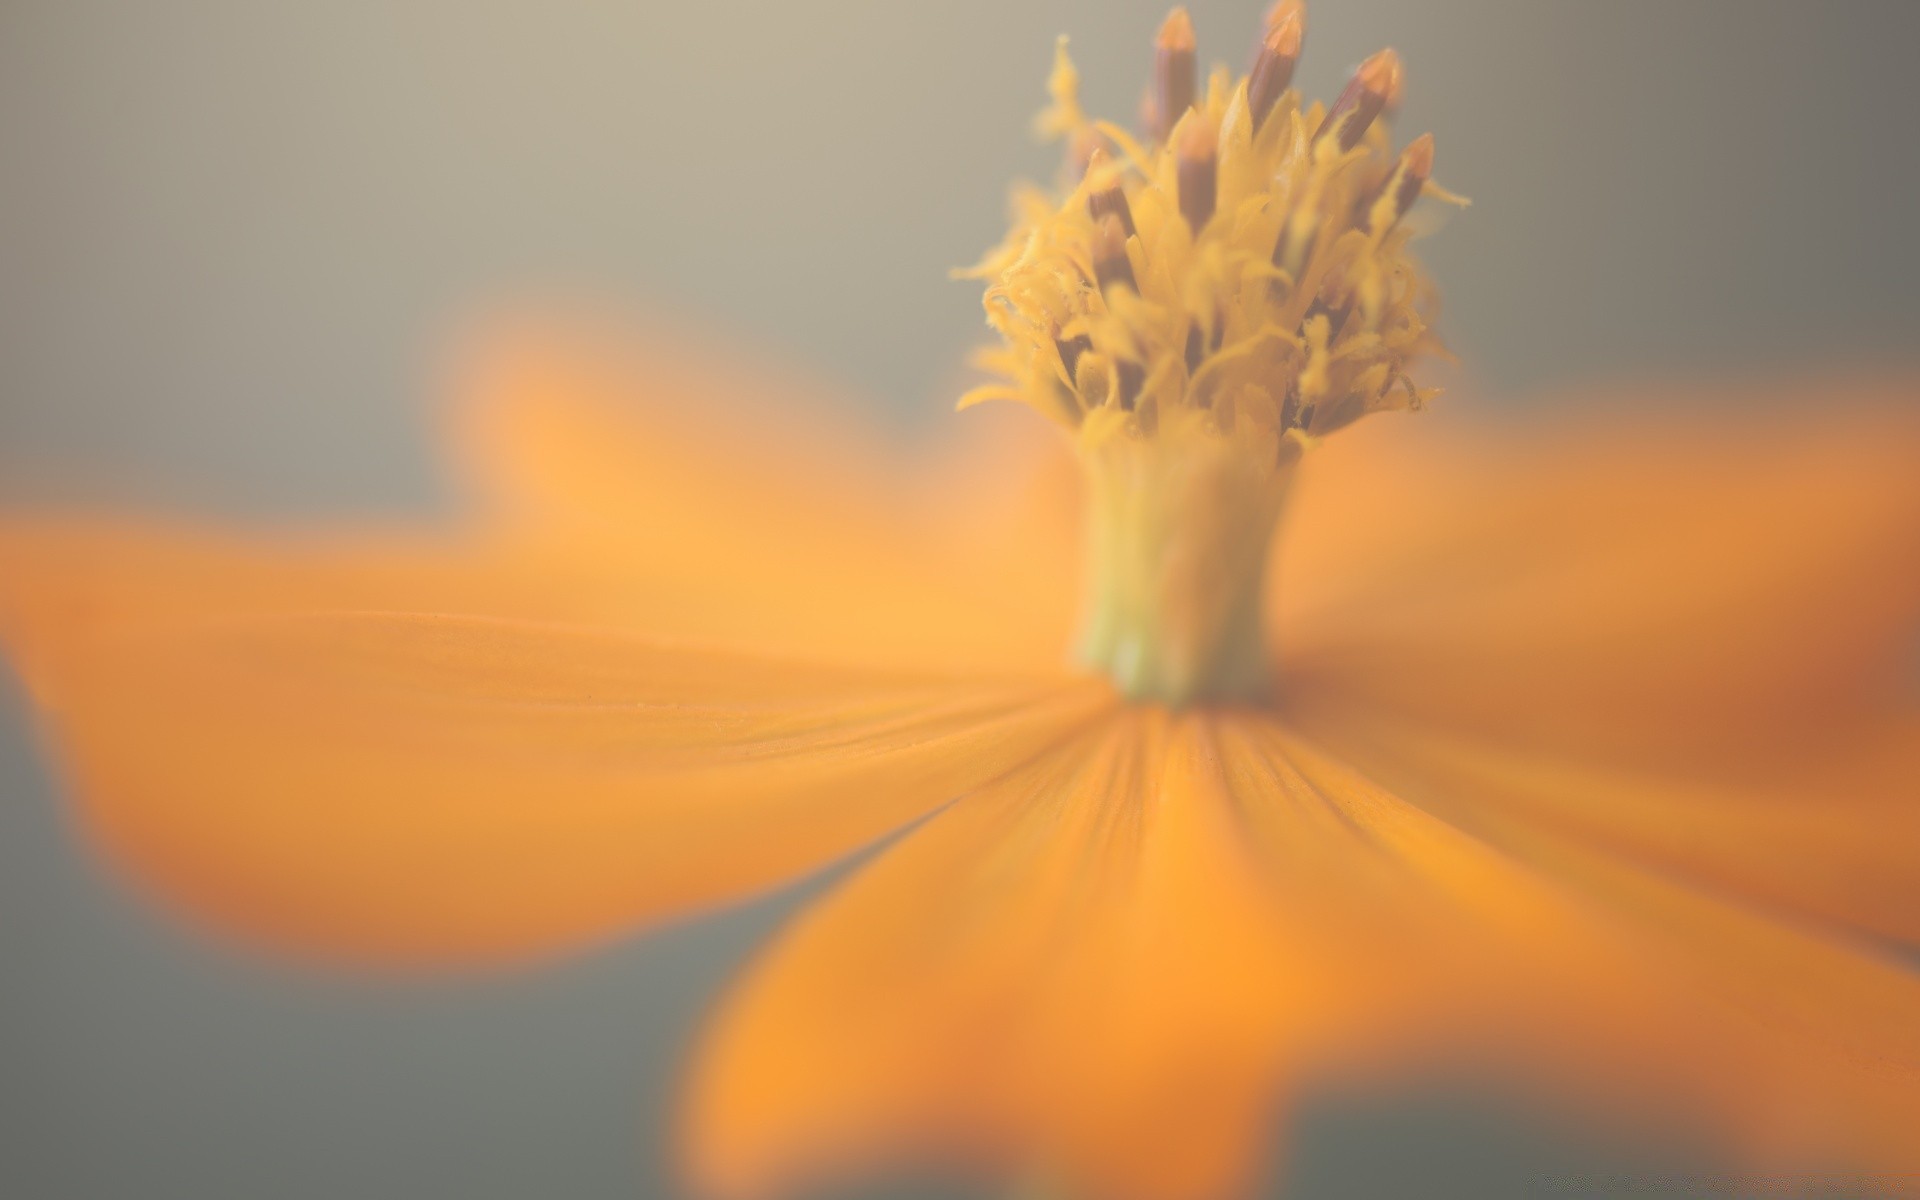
x=1584, y=760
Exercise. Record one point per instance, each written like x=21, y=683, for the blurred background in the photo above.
x=235, y=240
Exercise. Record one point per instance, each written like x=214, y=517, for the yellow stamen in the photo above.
x=1198, y=164
x=1173, y=72
x=1374, y=87
x=1198, y=312
x=1111, y=267
x=1401, y=187
x=1106, y=196
x=1279, y=53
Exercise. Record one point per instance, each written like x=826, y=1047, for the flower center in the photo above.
x=1197, y=307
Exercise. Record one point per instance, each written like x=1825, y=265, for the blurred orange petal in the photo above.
x=733, y=504
x=1115, y=966
x=1825, y=829
x=409, y=785
x=1681, y=580
x=1692, y=647
x=1076, y=974
x=1567, y=966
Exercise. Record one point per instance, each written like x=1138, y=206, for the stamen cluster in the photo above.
x=1244, y=260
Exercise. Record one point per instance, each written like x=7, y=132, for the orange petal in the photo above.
x=1688, y=644
x=1801, y=1050
x=65, y=579
x=1824, y=829
x=730, y=504
x=1667, y=585
x=1070, y=974
x=413, y=785
x=1109, y=968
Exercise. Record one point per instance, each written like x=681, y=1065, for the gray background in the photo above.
x=233, y=236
